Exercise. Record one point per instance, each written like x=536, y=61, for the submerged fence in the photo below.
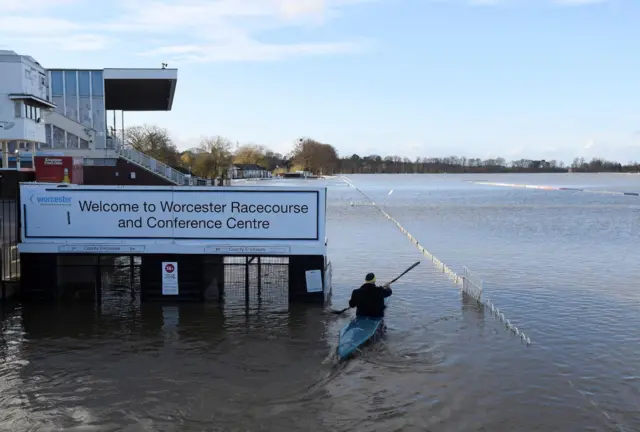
x=473, y=286
x=469, y=284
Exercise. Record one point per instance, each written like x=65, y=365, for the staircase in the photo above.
x=155, y=166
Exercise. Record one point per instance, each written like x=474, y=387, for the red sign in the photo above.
x=62, y=169
x=169, y=268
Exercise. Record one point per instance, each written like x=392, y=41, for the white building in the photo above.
x=24, y=94
x=249, y=171
x=78, y=112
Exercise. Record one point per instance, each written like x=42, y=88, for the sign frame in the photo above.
x=309, y=241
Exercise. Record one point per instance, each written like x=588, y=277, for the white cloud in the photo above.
x=185, y=30
x=12, y=6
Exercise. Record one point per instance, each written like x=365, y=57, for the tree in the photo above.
x=214, y=157
x=153, y=141
x=251, y=154
x=314, y=156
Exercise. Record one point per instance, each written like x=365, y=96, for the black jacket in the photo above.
x=369, y=299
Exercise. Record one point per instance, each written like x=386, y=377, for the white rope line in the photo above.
x=473, y=288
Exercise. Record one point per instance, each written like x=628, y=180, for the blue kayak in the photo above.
x=358, y=332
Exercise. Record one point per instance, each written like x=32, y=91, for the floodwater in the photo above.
x=563, y=266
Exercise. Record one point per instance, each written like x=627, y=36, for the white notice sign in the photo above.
x=174, y=213
x=314, y=280
x=170, y=278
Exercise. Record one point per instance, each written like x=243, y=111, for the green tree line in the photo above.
x=212, y=157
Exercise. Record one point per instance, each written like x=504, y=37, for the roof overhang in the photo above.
x=42, y=103
x=140, y=89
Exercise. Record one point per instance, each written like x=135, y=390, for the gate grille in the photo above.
x=9, y=238
x=256, y=282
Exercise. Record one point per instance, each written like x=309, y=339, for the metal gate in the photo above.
x=9, y=239
x=256, y=282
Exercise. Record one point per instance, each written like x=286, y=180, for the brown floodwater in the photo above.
x=562, y=266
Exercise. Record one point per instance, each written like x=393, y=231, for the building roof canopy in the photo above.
x=139, y=89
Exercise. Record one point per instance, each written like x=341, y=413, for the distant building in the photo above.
x=249, y=171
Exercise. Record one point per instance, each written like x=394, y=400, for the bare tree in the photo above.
x=251, y=154
x=214, y=157
x=153, y=141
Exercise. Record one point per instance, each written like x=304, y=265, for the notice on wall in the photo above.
x=181, y=213
x=170, y=278
x=314, y=280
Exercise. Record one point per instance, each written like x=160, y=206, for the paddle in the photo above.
x=388, y=283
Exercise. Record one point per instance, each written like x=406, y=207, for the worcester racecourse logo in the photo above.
x=48, y=200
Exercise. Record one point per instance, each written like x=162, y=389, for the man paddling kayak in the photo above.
x=369, y=298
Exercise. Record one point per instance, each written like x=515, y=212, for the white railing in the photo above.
x=472, y=285
x=153, y=165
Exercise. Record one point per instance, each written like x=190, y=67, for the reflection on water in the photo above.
x=562, y=267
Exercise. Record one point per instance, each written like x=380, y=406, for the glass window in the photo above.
x=59, y=103
x=18, y=108
x=47, y=129
x=97, y=83
x=84, y=144
x=84, y=82
x=58, y=137
x=72, y=140
x=70, y=83
x=99, y=118
x=57, y=84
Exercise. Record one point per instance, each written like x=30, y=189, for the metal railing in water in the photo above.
x=472, y=285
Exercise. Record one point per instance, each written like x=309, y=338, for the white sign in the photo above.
x=249, y=250
x=314, y=280
x=106, y=249
x=170, y=278
x=206, y=214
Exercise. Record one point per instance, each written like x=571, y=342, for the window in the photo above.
x=47, y=129
x=59, y=139
x=71, y=95
x=70, y=83
x=26, y=109
x=84, y=83
x=57, y=83
x=97, y=83
x=72, y=140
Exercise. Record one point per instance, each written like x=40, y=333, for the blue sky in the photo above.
x=515, y=78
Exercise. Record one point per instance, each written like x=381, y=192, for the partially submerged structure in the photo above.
x=189, y=243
